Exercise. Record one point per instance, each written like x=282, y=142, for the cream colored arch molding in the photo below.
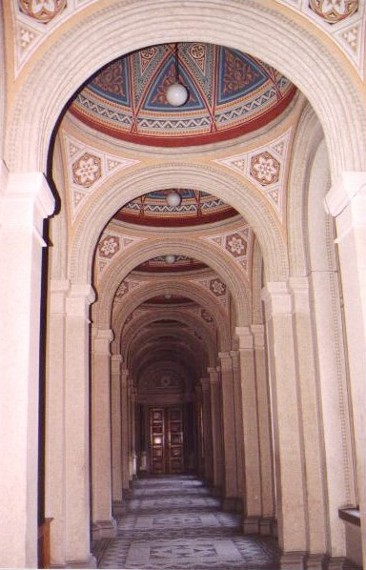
x=207, y=252
x=125, y=336
x=269, y=31
x=103, y=204
x=192, y=291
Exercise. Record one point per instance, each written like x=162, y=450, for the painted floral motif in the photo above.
x=265, y=168
x=87, y=170
x=42, y=10
x=333, y=11
x=236, y=245
x=206, y=316
x=122, y=289
x=108, y=247
x=217, y=287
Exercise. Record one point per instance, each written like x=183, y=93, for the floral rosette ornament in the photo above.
x=334, y=11
x=42, y=10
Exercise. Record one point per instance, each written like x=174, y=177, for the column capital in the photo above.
x=300, y=293
x=214, y=375
x=116, y=361
x=58, y=290
x=102, y=339
x=245, y=337
x=346, y=187
x=226, y=362
x=205, y=383
x=79, y=298
x=277, y=298
x=258, y=335
x=26, y=200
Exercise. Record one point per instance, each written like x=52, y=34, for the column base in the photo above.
x=119, y=508
x=91, y=562
x=229, y=504
x=267, y=526
x=293, y=561
x=342, y=563
x=104, y=529
x=216, y=491
x=317, y=562
x=251, y=525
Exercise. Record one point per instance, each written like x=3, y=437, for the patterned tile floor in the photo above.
x=173, y=523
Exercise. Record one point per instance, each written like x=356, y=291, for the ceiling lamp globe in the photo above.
x=173, y=199
x=177, y=94
x=170, y=258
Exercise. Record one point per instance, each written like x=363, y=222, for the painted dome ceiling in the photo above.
x=230, y=93
x=196, y=208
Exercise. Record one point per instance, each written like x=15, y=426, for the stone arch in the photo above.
x=201, y=296
x=203, y=251
x=307, y=140
x=173, y=314
x=244, y=198
x=313, y=66
x=135, y=359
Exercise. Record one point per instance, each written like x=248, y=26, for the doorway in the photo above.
x=166, y=445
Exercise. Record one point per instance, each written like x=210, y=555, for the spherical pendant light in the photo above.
x=173, y=199
x=176, y=94
x=170, y=259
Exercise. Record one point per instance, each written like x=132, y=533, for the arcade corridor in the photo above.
x=174, y=522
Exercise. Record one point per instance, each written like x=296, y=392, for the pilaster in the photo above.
x=346, y=201
x=103, y=523
x=266, y=524
x=228, y=416
x=25, y=201
x=117, y=495
x=207, y=429
x=217, y=441
x=125, y=430
x=288, y=437
x=55, y=419
x=77, y=401
x=253, y=492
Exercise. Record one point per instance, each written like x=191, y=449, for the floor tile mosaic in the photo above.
x=172, y=523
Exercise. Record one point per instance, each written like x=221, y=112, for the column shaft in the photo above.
x=288, y=435
x=77, y=400
x=25, y=202
x=103, y=523
x=125, y=431
x=117, y=494
x=253, y=496
x=228, y=415
x=347, y=202
x=217, y=441
x=207, y=428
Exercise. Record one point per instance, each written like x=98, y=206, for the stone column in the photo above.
x=125, y=431
x=346, y=201
x=334, y=399
x=207, y=429
x=288, y=436
x=25, y=201
x=239, y=441
x=132, y=430
x=77, y=425
x=228, y=415
x=200, y=438
x=103, y=523
x=253, y=494
x=117, y=495
x=312, y=423
x=264, y=432
x=55, y=420
x=217, y=441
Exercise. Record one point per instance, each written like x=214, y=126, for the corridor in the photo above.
x=172, y=522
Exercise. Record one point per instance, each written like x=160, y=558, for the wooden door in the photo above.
x=166, y=440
